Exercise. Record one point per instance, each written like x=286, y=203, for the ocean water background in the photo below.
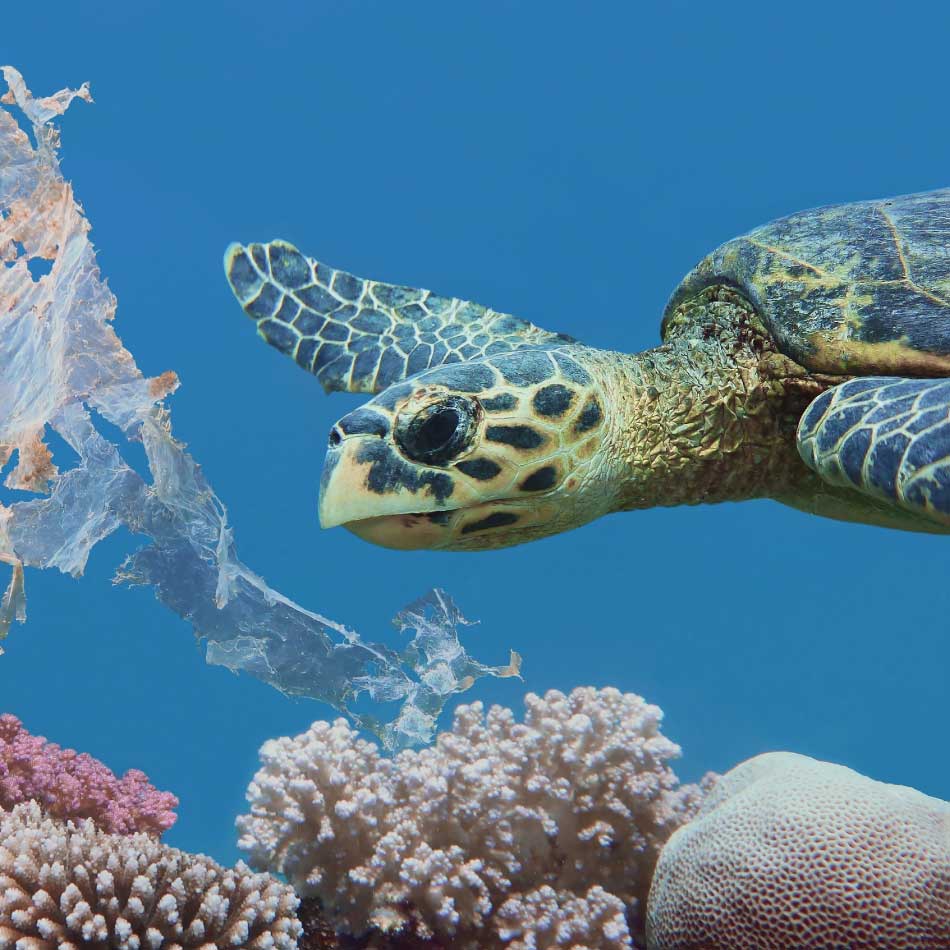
x=564, y=162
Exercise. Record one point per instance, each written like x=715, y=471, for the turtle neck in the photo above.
x=710, y=415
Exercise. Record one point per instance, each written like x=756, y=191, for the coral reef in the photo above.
x=544, y=919
x=64, y=884
x=319, y=933
x=69, y=784
x=536, y=834
x=789, y=851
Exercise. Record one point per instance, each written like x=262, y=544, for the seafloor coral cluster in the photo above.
x=70, y=784
x=567, y=830
x=536, y=834
x=81, y=863
x=68, y=884
x=790, y=852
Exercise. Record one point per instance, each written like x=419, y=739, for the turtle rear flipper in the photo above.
x=886, y=437
x=361, y=335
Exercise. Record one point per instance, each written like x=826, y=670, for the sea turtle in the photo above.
x=801, y=362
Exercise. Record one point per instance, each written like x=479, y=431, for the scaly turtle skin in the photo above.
x=804, y=362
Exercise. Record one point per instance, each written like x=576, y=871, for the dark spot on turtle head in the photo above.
x=500, y=403
x=364, y=422
x=389, y=397
x=553, y=400
x=571, y=370
x=540, y=480
x=439, y=517
x=479, y=468
x=525, y=367
x=520, y=437
x=496, y=520
x=388, y=473
x=464, y=377
x=590, y=416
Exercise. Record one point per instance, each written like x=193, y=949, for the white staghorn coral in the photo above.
x=63, y=884
x=578, y=796
x=546, y=919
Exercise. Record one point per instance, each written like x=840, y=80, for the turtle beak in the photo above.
x=370, y=489
x=342, y=488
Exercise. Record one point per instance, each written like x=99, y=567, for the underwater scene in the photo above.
x=474, y=476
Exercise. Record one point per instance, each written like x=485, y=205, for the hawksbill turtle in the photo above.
x=805, y=361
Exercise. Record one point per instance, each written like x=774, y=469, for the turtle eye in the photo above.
x=438, y=433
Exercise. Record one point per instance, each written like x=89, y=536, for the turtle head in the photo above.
x=483, y=454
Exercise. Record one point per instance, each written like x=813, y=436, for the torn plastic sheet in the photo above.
x=63, y=363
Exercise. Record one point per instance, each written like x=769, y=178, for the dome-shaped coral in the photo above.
x=791, y=852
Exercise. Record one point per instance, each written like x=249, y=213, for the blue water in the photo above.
x=564, y=165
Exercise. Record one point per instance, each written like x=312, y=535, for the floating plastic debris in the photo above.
x=64, y=366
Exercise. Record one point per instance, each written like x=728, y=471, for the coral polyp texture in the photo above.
x=788, y=852
x=68, y=884
x=544, y=919
x=69, y=784
x=542, y=833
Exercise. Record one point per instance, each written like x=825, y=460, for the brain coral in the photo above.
x=66, y=884
x=791, y=852
x=534, y=834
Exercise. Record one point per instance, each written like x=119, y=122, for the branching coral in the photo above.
x=791, y=852
x=545, y=919
x=70, y=784
x=65, y=884
x=537, y=831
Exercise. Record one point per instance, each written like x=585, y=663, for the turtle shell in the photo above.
x=856, y=289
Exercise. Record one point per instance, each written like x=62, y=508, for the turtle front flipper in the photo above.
x=360, y=335
x=885, y=437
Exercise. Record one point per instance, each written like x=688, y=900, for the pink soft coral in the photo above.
x=69, y=784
